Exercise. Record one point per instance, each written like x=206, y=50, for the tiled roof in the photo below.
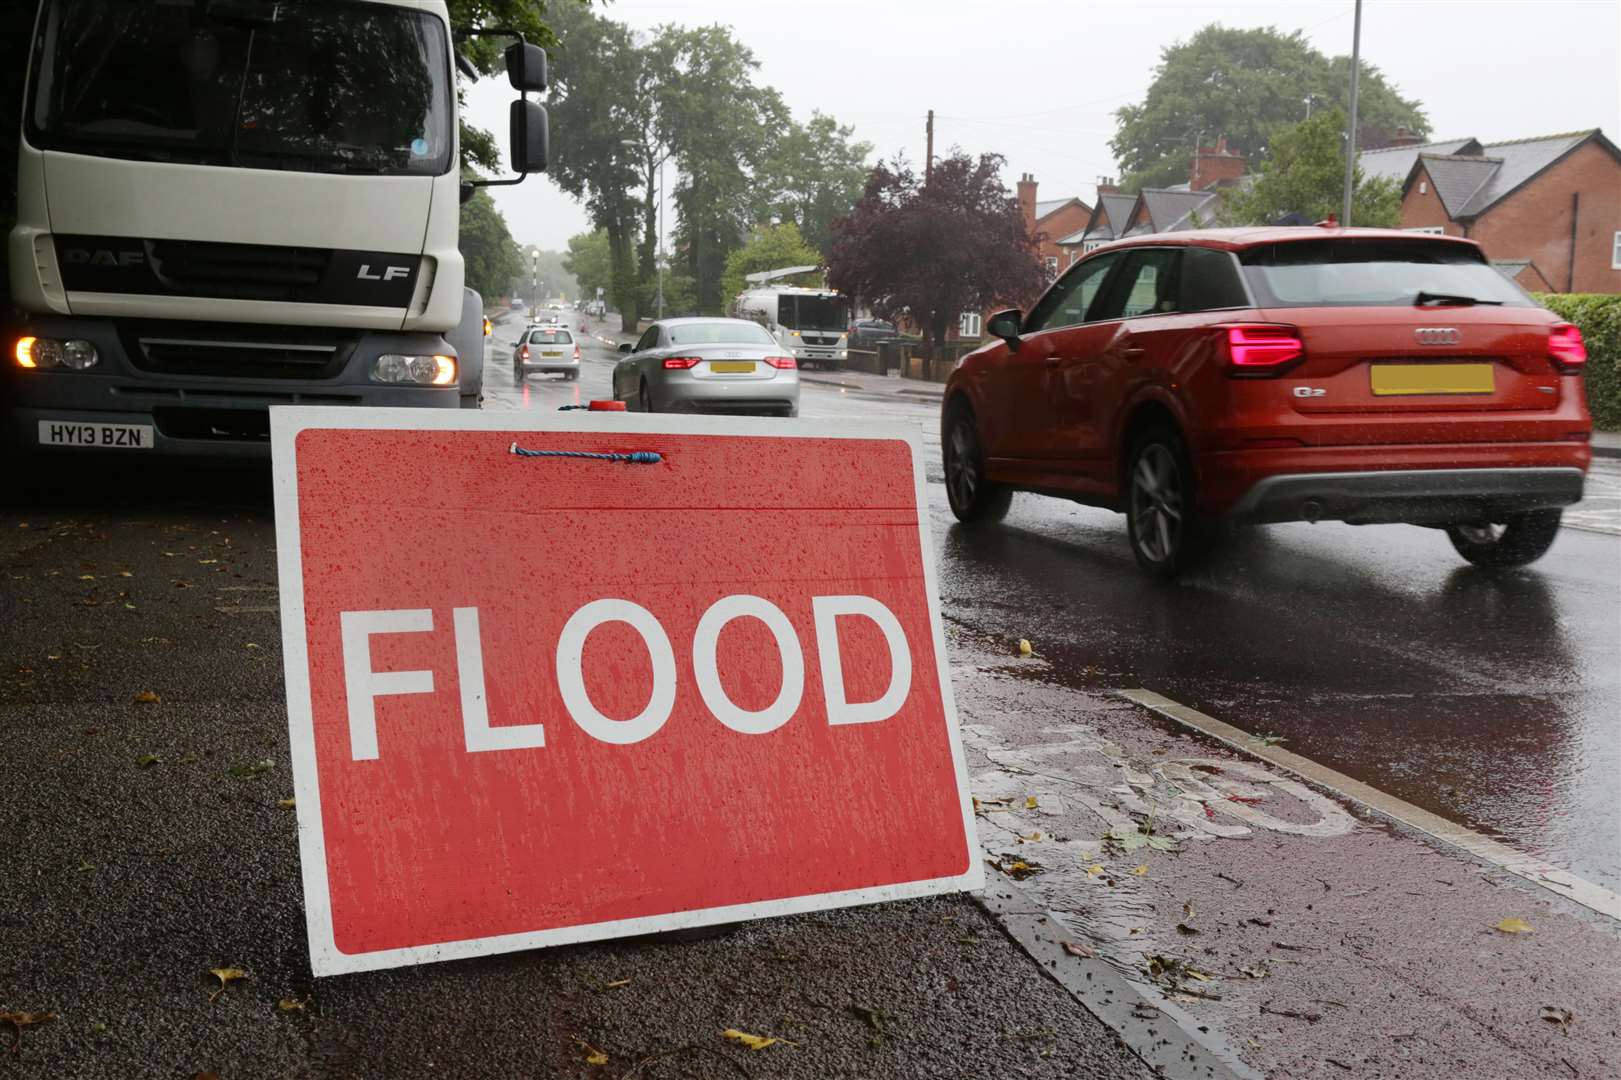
x=1395, y=162
x=1521, y=159
x=1457, y=178
x=1172, y=211
x=1048, y=206
x=1112, y=213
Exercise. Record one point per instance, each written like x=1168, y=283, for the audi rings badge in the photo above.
x=1437, y=335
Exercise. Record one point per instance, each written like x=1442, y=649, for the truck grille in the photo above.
x=238, y=271
x=233, y=351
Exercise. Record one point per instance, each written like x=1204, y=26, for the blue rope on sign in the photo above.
x=635, y=457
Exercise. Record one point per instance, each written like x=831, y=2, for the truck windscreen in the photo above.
x=813, y=312
x=327, y=86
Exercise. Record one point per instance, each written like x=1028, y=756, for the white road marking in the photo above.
x=1534, y=870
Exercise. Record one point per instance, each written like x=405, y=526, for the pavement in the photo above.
x=1279, y=838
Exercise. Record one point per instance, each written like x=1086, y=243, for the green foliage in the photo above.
x=770, y=249
x=590, y=262
x=1598, y=316
x=1244, y=84
x=1305, y=174
x=814, y=174
x=493, y=260
x=719, y=124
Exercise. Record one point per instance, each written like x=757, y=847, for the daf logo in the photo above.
x=102, y=257
x=1437, y=335
x=389, y=273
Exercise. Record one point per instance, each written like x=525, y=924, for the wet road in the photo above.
x=1491, y=699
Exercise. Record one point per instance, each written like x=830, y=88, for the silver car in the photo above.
x=546, y=349
x=707, y=365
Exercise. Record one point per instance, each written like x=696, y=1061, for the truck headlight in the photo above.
x=414, y=370
x=76, y=354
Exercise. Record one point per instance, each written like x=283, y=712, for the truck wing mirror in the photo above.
x=526, y=67
x=530, y=137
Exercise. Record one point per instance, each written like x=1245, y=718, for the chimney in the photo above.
x=1215, y=166
x=1405, y=137
x=1107, y=186
x=1027, y=201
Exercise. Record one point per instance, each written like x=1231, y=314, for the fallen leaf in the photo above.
x=250, y=645
x=87, y=577
x=1141, y=870
x=1190, y=973
x=125, y=573
x=291, y=1005
x=20, y=1020
x=1094, y=870
x=206, y=562
x=1254, y=973
x=85, y=866
x=1247, y=800
x=149, y=759
x=1187, y=909
x=147, y=697
x=1555, y=1015
x=1075, y=948
x=1032, y=838
x=1514, y=926
x=1018, y=870
x=226, y=976
x=1024, y=647
x=286, y=804
x=616, y=984
x=1268, y=739
x=1030, y=803
x=243, y=772
x=1185, y=929
x=753, y=1042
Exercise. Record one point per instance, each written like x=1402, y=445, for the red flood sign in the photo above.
x=559, y=678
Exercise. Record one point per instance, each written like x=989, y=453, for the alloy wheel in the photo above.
x=1157, y=503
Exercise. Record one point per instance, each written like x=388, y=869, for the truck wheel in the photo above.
x=472, y=401
x=1523, y=538
x=973, y=498
x=1162, y=523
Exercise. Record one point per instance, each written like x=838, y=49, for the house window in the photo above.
x=1423, y=187
x=1090, y=246
x=968, y=322
x=1429, y=230
x=1052, y=266
x=1615, y=252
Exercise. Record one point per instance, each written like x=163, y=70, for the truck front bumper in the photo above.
x=208, y=415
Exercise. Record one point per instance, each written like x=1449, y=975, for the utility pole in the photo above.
x=928, y=159
x=1350, y=136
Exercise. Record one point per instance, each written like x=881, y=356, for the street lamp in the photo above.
x=658, y=257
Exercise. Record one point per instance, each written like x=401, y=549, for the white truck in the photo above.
x=812, y=324
x=225, y=205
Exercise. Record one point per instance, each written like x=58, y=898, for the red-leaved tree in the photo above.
x=934, y=251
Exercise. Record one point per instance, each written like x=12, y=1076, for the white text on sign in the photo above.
x=364, y=685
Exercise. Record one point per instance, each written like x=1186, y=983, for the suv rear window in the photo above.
x=1372, y=273
x=550, y=337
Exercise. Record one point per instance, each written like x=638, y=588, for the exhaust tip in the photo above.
x=1311, y=510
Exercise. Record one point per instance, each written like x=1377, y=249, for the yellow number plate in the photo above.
x=731, y=367
x=551, y=355
x=1392, y=379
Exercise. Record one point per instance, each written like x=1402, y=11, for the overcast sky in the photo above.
x=1038, y=80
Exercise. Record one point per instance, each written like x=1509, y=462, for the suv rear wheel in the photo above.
x=1522, y=538
x=973, y=498
x=1165, y=532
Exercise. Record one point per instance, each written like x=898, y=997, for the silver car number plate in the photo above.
x=66, y=433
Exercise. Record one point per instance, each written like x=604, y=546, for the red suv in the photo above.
x=1279, y=374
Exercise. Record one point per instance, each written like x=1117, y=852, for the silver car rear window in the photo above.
x=550, y=337
x=719, y=333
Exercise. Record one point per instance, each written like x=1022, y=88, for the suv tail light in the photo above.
x=1255, y=351
x=1566, y=350
x=681, y=363
x=782, y=363
x=525, y=353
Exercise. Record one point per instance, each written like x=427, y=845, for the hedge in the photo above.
x=1598, y=316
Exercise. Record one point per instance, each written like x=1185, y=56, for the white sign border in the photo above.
x=286, y=422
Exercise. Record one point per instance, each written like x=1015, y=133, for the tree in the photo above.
x=593, y=99
x=772, y=248
x=1305, y=174
x=719, y=126
x=933, y=252
x=493, y=261
x=1244, y=84
x=814, y=174
x=590, y=261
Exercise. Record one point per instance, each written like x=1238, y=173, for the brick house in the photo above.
x=1192, y=205
x=1547, y=210
x=1050, y=221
